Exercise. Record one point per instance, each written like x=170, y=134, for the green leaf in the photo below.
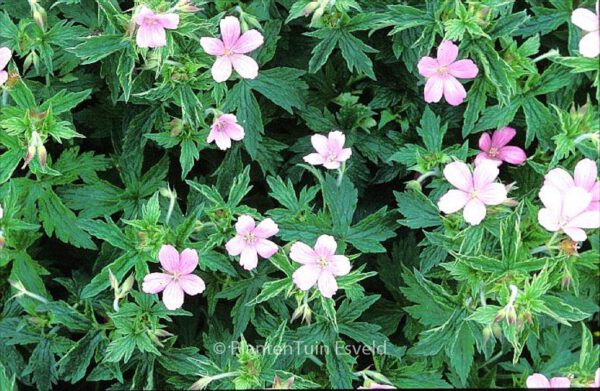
x=42, y=366
x=9, y=161
x=321, y=52
x=418, y=210
x=248, y=114
x=281, y=86
x=95, y=48
x=341, y=201
x=271, y=289
x=73, y=365
x=354, y=52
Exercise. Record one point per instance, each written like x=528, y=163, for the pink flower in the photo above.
x=177, y=277
x=251, y=241
x=585, y=177
x=441, y=74
x=376, y=386
x=230, y=50
x=151, y=33
x=474, y=190
x=5, y=56
x=319, y=266
x=224, y=129
x=330, y=150
x=596, y=383
x=494, y=149
x=589, y=46
x=538, y=380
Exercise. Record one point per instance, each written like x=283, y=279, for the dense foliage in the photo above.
x=297, y=193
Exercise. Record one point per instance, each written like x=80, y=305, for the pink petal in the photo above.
x=483, y=157
x=320, y=143
x=221, y=69
x=344, y=155
x=537, y=381
x=230, y=31
x=454, y=92
x=5, y=56
x=169, y=258
x=434, y=89
x=493, y=194
x=142, y=13
x=314, y=159
x=156, y=282
x=266, y=229
x=3, y=77
x=222, y=140
x=576, y=201
x=577, y=234
x=244, y=225
x=428, y=66
x=173, y=296
x=586, y=174
x=560, y=382
x=589, y=46
x=474, y=212
x=248, y=42
x=512, y=155
x=151, y=36
x=459, y=175
x=235, y=245
x=188, y=260
x=551, y=197
x=192, y=284
x=168, y=21
x=484, y=174
x=235, y=132
x=485, y=142
x=463, y=69
x=266, y=248
x=339, y=265
x=249, y=258
x=325, y=246
x=501, y=137
x=548, y=219
x=585, y=19
x=327, y=284
x=597, y=378
x=560, y=179
x=302, y=253
x=588, y=219
x=335, y=141
x=447, y=53
x=212, y=46
x=332, y=165
x=453, y=201
x=306, y=276
x=245, y=66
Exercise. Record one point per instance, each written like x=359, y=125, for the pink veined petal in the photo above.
x=306, y=276
x=493, y=194
x=228, y=119
x=235, y=245
x=168, y=21
x=560, y=179
x=454, y=92
x=552, y=198
x=339, y=265
x=156, y=282
x=188, y=260
x=474, y=212
x=484, y=174
x=434, y=89
x=212, y=46
x=192, y=284
x=266, y=248
x=344, y=155
x=585, y=19
x=483, y=157
x=314, y=158
x=249, y=258
x=302, y=253
x=266, y=228
x=230, y=31
x=576, y=201
x=173, y=296
x=221, y=69
x=3, y=77
x=485, y=142
x=597, y=377
x=235, y=132
x=327, y=284
x=325, y=246
x=332, y=165
x=512, y=155
x=548, y=219
x=244, y=225
x=459, y=175
x=502, y=137
x=447, y=53
x=588, y=219
x=142, y=13
x=335, y=141
x=222, y=140
x=463, y=69
x=169, y=258
x=537, y=380
x=151, y=36
x=320, y=143
x=453, y=201
x=589, y=46
x=143, y=38
x=245, y=66
x=249, y=41
x=585, y=174
x=577, y=234
x=428, y=66
x=5, y=56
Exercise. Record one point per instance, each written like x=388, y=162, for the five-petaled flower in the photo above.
x=224, y=129
x=589, y=22
x=473, y=190
x=319, y=265
x=151, y=32
x=496, y=150
x=230, y=50
x=537, y=380
x=442, y=72
x=5, y=56
x=585, y=177
x=330, y=150
x=177, y=278
x=251, y=241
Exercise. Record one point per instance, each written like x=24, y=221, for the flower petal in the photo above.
x=314, y=159
x=588, y=219
x=188, y=260
x=548, y=219
x=501, y=137
x=551, y=197
x=3, y=77
x=142, y=13
x=454, y=92
x=249, y=41
x=331, y=165
x=512, y=155
x=463, y=69
x=585, y=19
x=249, y=258
x=560, y=179
x=335, y=141
x=244, y=225
x=266, y=229
x=493, y=194
x=320, y=143
x=156, y=282
x=474, y=212
x=485, y=142
x=302, y=253
x=192, y=284
x=222, y=140
x=151, y=36
x=339, y=265
x=234, y=132
x=266, y=248
x=5, y=56
x=168, y=21
x=325, y=246
x=306, y=276
x=586, y=173
x=537, y=380
x=173, y=296
x=245, y=66
x=428, y=66
x=221, y=69
x=459, y=175
x=453, y=201
x=212, y=46
x=483, y=157
x=230, y=31
x=235, y=245
x=577, y=234
x=576, y=201
x=484, y=174
x=169, y=258
x=344, y=154
x=327, y=284
x=434, y=89
x=447, y=53
x=589, y=46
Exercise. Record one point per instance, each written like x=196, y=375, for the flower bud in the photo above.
x=114, y=284
x=497, y=330
x=310, y=8
x=414, y=185
x=500, y=315
x=2, y=240
x=39, y=15
x=42, y=155
x=187, y=6
x=126, y=287
x=511, y=315
x=30, y=154
x=486, y=333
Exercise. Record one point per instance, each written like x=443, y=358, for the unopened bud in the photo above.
x=568, y=247
x=282, y=385
x=42, y=155
x=497, y=330
x=511, y=315
x=2, y=240
x=114, y=284
x=30, y=154
x=414, y=185
x=486, y=333
x=310, y=8
x=566, y=280
x=39, y=15
x=500, y=315
x=126, y=287
x=187, y=6
x=163, y=333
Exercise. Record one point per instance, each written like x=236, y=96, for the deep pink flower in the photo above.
x=151, y=33
x=177, y=278
x=589, y=46
x=330, y=150
x=441, y=74
x=473, y=190
x=496, y=150
x=251, y=241
x=5, y=56
x=586, y=177
x=230, y=50
x=224, y=129
x=319, y=266
x=538, y=380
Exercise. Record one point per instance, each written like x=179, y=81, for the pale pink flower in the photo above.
x=589, y=46
x=537, y=380
x=473, y=190
x=319, y=265
x=441, y=74
x=330, y=150
x=224, y=129
x=151, y=32
x=596, y=383
x=585, y=177
x=1, y=212
x=230, y=50
x=5, y=56
x=177, y=278
x=251, y=241
x=496, y=150
x=376, y=386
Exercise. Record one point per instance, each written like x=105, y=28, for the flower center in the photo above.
x=150, y=21
x=474, y=194
x=443, y=70
x=250, y=238
x=323, y=262
x=493, y=152
x=331, y=157
x=227, y=51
